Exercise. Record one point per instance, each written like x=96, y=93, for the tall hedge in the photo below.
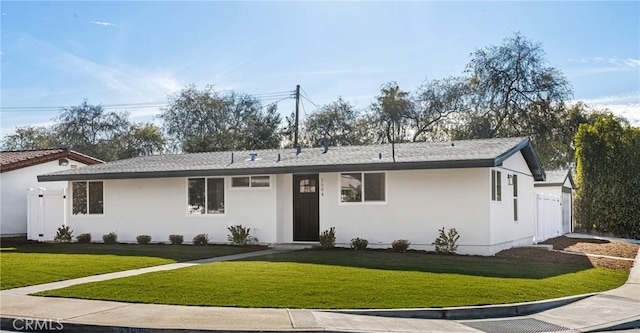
x=608, y=177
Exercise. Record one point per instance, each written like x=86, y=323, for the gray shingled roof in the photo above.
x=555, y=178
x=417, y=155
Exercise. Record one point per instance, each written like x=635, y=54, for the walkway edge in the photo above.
x=471, y=312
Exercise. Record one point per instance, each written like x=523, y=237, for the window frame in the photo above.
x=514, y=183
x=206, y=197
x=250, y=186
x=87, y=193
x=362, y=190
x=495, y=184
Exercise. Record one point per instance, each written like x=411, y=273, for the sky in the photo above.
x=130, y=56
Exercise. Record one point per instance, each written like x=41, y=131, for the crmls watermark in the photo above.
x=37, y=324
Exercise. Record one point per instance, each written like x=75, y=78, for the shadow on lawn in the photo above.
x=503, y=267
x=174, y=252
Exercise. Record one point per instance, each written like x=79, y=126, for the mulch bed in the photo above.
x=591, y=246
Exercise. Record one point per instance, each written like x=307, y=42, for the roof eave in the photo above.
x=389, y=166
x=530, y=156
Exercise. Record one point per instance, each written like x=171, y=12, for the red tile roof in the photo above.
x=17, y=159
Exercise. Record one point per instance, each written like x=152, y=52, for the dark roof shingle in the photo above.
x=417, y=155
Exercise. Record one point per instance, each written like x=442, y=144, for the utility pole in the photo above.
x=295, y=136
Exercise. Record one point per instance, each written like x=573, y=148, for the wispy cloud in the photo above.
x=628, y=62
x=128, y=83
x=626, y=105
x=103, y=23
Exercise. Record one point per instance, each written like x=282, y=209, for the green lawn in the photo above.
x=347, y=279
x=35, y=263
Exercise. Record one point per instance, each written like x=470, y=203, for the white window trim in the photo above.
x=245, y=188
x=104, y=206
x=498, y=202
x=186, y=202
x=363, y=202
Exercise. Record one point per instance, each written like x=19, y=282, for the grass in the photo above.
x=347, y=279
x=35, y=263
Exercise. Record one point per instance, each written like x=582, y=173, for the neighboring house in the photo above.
x=483, y=188
x=559, y=183
x=19, y=171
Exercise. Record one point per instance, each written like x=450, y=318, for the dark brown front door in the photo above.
x=306, y=213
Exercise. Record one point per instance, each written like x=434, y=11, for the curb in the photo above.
x=471, y=312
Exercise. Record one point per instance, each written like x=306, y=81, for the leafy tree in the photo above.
x=434, y=102
x=30, y=138
x=514, y=91
x=203, y=120
x=608, y=177
x=141, y=140
x=91, y=130
x=337, y=122
x=391, y=109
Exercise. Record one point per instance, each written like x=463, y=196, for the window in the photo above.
x=206, y=196
x=87, y=198
x=514, y=182
x=496, y=185
x=308, y=186
x=251, y=181
x=353, y=185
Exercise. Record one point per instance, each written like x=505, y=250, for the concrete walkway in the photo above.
x=614, y=309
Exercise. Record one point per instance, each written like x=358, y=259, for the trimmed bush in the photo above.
x=400, y=245
x=143, y=239
x=64, y=234
x=359, y=244
x=176, y=239
x=238, y=234
x=446, y=242
x=327, y=239
x=201, y=239
x=84, y=238
x=110, y=238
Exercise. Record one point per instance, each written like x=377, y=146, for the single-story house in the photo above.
x=483, y=188
x=19, y=171
x=560, y=184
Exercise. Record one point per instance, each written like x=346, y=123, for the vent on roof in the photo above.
x=252, y=156
x=325, y=143
x=298, y=150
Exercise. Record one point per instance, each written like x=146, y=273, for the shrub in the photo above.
x=239, y=234
x=359, y=244
x=84, y=238
x=176, y=239
x=64, y=234
x=110, y=238
x=446, y=242
x=201, y=239
x=400, y=245
x=328, y=238
x=143, y=239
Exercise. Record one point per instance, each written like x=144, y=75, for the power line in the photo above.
x=262, y=97
x=306, y=96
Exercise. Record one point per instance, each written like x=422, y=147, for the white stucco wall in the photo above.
x=419, y=202
x=14, y=185
x=158, y=207
x=505, y=232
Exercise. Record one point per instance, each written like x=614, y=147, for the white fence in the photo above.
x=45, y=213
x=549, y=217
